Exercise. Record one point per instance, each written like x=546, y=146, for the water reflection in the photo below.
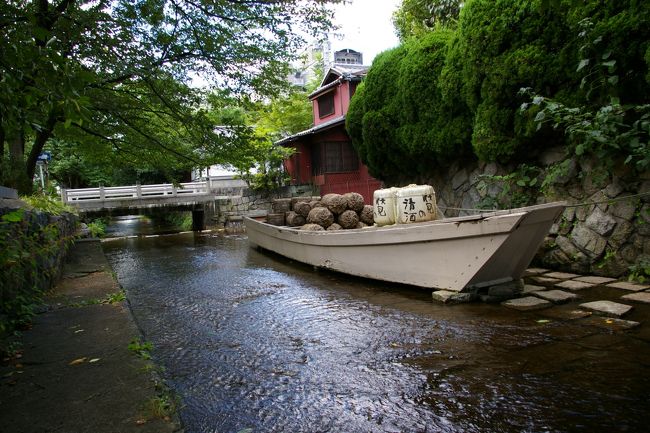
x=251, y=340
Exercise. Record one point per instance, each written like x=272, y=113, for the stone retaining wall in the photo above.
x=33, y=247
x=608, y=236
x=252, y=202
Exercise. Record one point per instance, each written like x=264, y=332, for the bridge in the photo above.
x=188, y=196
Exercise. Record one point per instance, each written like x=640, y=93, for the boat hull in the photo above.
x=451, y=254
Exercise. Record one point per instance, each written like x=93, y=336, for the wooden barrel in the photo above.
x=276, y=219
x=281, y=205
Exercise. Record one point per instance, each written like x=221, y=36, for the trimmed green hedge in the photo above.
x=453, y=92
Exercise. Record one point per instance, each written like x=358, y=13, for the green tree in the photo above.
x=502, y=46
x=418, y=17
x=373, y=117
x=398, y=120
x=117, y=74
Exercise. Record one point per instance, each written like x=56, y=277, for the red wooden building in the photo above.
x=324, y=154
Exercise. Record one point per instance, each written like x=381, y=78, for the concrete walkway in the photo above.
x=75, y=372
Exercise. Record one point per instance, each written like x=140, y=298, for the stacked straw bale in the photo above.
x=332, y=212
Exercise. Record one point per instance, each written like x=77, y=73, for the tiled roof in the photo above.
x=325, y=125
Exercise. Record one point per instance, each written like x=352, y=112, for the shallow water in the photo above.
x=253, y=342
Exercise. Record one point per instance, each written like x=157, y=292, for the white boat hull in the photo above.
x=451, y=254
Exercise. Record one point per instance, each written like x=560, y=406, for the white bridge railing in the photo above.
x=135, y=192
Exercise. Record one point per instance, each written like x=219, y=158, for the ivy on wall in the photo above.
x=32, y=248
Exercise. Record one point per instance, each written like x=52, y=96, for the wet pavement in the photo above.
x=252, y=342
x=74, y=372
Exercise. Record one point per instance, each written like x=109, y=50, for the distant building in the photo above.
x=348, y=57
x=324, y=154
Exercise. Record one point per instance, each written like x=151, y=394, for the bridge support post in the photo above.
x=198, y=219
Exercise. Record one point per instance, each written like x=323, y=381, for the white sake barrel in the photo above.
x=383, y=208
x=415, y=203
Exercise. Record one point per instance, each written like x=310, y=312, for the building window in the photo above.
x=326, y=105
x=334, y=157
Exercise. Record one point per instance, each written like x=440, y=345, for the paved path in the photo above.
x=75, y=373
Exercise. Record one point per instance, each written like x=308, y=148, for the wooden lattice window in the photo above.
x=334, y=157
x=326, y=105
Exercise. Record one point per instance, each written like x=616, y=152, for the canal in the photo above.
x=252, y=342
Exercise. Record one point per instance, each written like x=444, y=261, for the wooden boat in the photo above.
x=455, y=254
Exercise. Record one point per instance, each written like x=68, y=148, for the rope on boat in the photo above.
x=590, y=203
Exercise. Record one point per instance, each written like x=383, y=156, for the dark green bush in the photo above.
x=424, y=102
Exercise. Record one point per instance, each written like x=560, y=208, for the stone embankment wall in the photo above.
x=33, y=247
x=252, y=203
x=604, y=231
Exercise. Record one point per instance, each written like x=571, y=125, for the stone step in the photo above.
x=561, y=275
x=527, y=303
x=643, y=297
x=449, y=297
x=556, y=296
x=594, y=280
x=626, y=285
x=607, y=308
x=574, y=285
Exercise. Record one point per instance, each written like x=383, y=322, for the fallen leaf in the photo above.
x=609, y=321
x=543, y=321
x=94, y=360
x=78, y=361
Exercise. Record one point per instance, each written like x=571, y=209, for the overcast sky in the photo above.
x=366, y=26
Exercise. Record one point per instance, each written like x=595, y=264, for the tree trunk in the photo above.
x=2, y=152
x=16, y=176
x=39, y=142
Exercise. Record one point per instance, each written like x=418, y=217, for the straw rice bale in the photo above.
x=302, y=208
x=312, y=227
x=336, y=203
x=294, y=219
x=366, y=216
x=321, y=216
x=355, y=201
x=348, y=219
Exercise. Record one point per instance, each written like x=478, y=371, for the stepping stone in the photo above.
x=561, y=275
x=449, y=297
x=607, y=308
x=595, y=280
x=534, y=271
x=556, y=296
x=626, y=285
x=574, y=285
x=530, y=288
x=545, y=281
x=638, y=297
x=563, y=314
x=527, y=303
x=611, y=323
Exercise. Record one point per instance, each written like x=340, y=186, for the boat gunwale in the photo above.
x=451, y=220
x=398, y=233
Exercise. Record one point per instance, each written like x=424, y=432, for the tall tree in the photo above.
x=417, y=17
x=116, y=75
